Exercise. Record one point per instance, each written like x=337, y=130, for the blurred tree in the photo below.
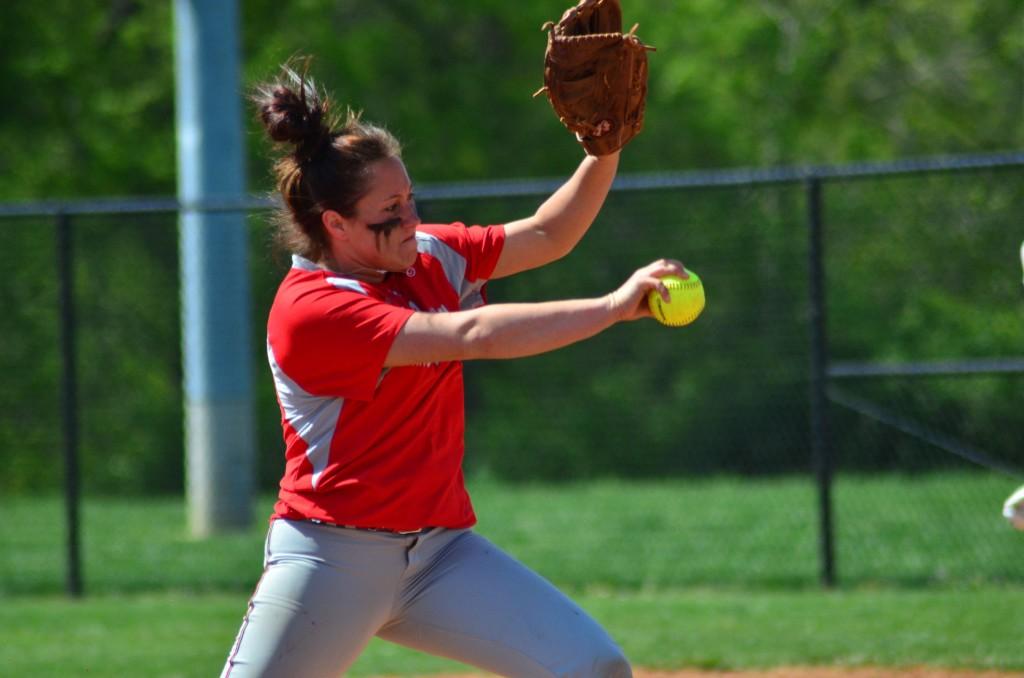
x=88, y=97
x=87, y=101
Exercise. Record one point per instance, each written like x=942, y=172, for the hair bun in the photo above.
x=294, y=112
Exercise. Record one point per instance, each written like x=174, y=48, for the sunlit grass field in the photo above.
x=178, y=634
x=716, y=572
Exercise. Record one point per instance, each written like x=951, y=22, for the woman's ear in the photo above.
x=333, y=223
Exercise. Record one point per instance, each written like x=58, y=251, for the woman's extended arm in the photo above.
x=560, y=221
x=517, y=330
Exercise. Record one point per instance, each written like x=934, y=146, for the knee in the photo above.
x=613, y=665
x=608, y=663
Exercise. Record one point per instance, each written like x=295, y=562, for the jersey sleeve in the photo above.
x=335, y=342
x=480, y=246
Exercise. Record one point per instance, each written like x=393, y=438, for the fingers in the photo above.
x=674, y=267
x=663, y=267
x=633, y=294
x=655, y=271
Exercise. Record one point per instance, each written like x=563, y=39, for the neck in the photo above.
x=365, y=273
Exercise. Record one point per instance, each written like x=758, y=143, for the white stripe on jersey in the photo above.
x=454, y=265
x=347, y=284
x=303, y=263
x=314, y=418
x=472, y=295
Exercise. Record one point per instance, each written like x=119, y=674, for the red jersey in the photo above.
x=365, y=445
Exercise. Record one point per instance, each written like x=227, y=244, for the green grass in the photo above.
x=189, y=635
x=717, y=572
x=938, y=529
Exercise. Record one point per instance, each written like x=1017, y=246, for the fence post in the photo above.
x=216, y=339
x=821, y=448
x=69, y=400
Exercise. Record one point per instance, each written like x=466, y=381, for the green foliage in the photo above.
x=925, y=269
x=29, y=397
x=89, y=89
x=88, y=99
x=131, y=397
x=126, y=329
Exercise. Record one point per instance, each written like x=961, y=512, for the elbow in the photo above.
x=556, y=248
x=562, y=250
x=477, y=339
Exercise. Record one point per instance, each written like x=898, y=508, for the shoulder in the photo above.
x=431, y=235
x=310, y=296
x=438, y=239
x=307, y=284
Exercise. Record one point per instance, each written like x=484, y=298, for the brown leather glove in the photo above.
x=596, y=76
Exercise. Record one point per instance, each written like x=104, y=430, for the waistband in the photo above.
x=368, y=529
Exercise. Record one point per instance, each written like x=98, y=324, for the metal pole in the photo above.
x=820, y=442
x=217, y=356
x=69, y=401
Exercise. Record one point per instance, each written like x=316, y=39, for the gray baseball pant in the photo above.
x=326, y=591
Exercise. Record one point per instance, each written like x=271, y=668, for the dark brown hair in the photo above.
x=327, y=166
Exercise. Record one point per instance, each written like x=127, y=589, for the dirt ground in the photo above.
x=831, y=672
x=817, y=672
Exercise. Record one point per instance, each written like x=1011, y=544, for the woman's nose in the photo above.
x=410, y=215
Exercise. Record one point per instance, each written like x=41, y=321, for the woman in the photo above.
x=371, y=533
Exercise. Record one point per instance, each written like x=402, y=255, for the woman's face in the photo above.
x=385, y=219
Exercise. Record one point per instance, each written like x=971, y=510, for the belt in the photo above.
x=369, y=529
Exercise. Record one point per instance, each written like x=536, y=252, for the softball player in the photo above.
x=371, y=535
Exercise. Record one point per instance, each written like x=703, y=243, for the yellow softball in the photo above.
x=685, y=304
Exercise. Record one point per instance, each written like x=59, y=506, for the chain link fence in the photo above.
x=917, y=357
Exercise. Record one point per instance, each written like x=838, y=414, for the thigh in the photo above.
x=476, y=604
x=323, y=595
